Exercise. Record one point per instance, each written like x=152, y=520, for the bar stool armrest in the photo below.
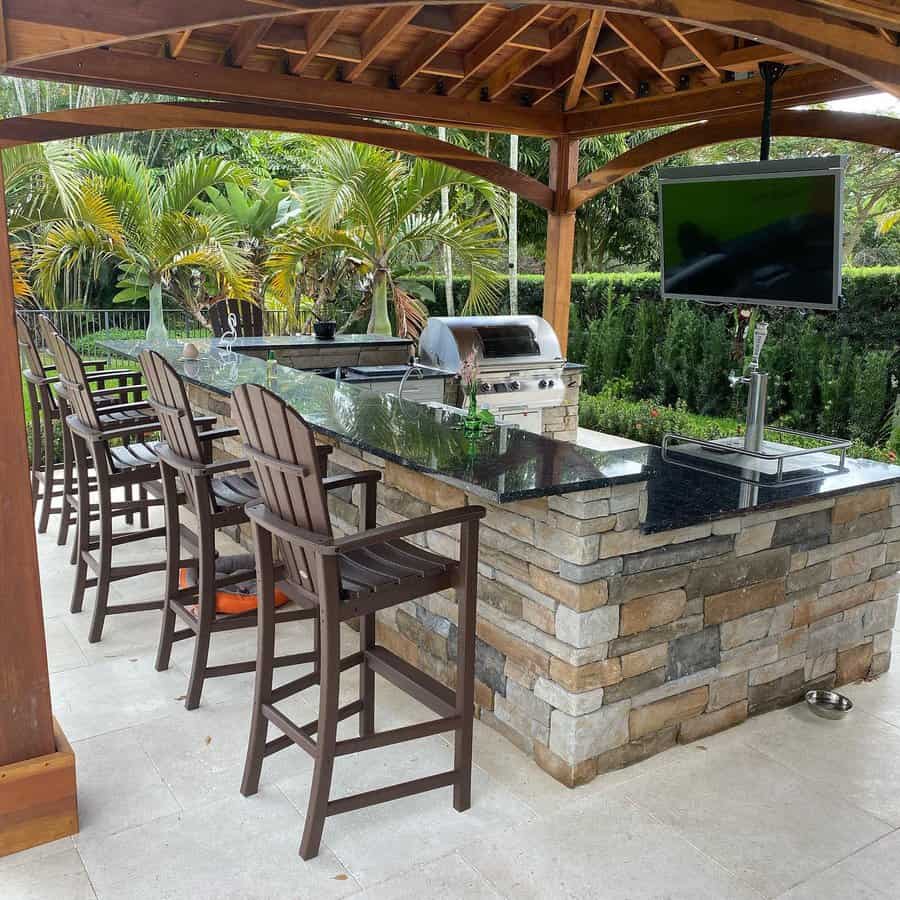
x=216, y=433
x=421, y=524
x=266, y=519
x=198, y=470
x=367, y=476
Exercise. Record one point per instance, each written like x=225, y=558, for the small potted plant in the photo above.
x=476, y=421
x=322, y=315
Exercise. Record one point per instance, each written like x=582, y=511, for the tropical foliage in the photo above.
x=376, y=211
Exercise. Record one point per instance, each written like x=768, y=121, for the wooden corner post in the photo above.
x=37, y=767
x=560, y=238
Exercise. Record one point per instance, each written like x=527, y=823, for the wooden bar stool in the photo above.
x=215, y=494
x=115, y=465
x=51, y=479
x=129, y=389
x=248, y=318
x=347, y=578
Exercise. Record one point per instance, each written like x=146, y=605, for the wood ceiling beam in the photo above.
x=462, y=15
x=386, y=25
x=703, y=44
x=245, y=40
x=522, y=62
x=189, y=79
x=583, y=60
x=509, y=26
x=880, y=131
x=175, y=43
x=747, y=59
x=623, y=72
x=814, y=28
x=643, y=41
x=319, y=30
x=811, y=85
x=82, y=122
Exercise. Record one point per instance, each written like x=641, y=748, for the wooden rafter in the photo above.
x=430, y=47
x=623, y=72
x=747, y=59
x=387, y=24
x=801, y=86
x=882, y=131
x=175, y=43
x=642, y=41
x=523, y=61
x=190, y=79
x=510, y=25
x=245, y=40
x=319, y=30
x=583, y=61
x=703, y=44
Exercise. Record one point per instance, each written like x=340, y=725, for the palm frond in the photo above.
x=189, y=178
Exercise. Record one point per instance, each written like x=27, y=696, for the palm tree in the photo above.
x=374, y=207
x=120, y=212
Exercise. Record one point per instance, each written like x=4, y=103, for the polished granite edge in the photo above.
x=509, y=464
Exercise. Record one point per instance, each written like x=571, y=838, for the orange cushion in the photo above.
x=231, y=602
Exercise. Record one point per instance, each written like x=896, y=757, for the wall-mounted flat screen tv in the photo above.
x=766, y=233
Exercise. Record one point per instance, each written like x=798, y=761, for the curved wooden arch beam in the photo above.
x=880, y=131
x=36, y=29
x=86, y=122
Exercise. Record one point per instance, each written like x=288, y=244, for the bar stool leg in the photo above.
x=265, y=656
x=329, y=701
x=366, y=676
x=65, y=516
x=35, y=445
x=145, y=510
x=49, y=462
x=83, y=524
x=173, y=564
x=104, y=504
x=206, y=600
x=465, y=665
x=129, y=498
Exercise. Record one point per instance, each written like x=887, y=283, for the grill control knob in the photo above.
x=550, y=383
x=514, y=385
x=484, y=387
x=543, y=383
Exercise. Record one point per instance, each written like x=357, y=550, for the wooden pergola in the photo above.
x=344, y=68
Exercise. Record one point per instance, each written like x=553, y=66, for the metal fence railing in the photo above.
x=84, y=328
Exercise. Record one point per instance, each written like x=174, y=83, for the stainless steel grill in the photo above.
x=520, y=363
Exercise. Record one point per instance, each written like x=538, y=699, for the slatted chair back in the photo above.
x=47, y=328
x=74, y=382
x=168, y=396
x=282, y=451
x=28, y=351
x=248, y=315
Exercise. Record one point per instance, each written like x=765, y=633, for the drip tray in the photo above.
x=773, y=463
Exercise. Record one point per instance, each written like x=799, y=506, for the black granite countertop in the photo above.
x=507, y=464
x=297, y=341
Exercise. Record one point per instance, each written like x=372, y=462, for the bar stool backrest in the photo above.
x=249, y=317
x=168, y=397
x=73, y=379
x=282, y=451
x=31, y=357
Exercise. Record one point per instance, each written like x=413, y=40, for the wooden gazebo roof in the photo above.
x=544, y=69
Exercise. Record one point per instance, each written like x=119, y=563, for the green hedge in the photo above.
x=833, y=372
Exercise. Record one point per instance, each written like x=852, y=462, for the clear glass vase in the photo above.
x=156, y=330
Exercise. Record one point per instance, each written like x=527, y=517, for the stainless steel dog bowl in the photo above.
x=828, y=704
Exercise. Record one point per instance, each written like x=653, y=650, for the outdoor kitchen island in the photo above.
x=626, y=602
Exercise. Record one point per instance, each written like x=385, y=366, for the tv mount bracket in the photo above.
x=770, y=72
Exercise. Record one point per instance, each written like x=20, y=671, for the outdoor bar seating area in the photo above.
x=361, y=609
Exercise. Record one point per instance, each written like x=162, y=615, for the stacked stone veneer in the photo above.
x=599, y=646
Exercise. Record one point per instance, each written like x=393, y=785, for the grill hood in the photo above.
x=499, y=342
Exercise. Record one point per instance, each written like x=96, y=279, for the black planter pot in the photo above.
x=324, y=331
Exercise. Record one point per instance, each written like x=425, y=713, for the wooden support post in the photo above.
x=560, y=238
x=37, y=770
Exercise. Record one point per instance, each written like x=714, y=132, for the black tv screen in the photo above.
x=753, y=233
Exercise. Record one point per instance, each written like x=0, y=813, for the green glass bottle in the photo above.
x=270, y=369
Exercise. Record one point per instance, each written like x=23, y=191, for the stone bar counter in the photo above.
x=304, y=351
x=626, y=602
